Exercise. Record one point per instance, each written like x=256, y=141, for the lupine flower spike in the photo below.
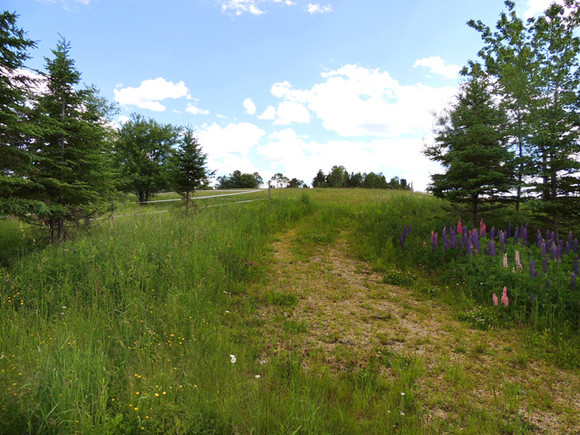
x=495, y=299
x=518, y=262
x=504, y=297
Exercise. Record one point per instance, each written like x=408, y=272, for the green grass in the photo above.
x=130, y=328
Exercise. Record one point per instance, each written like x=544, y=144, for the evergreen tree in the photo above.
x=471, y=146
x=17, y=190
x=319, y=180
x=536, y=70
x=72, y=161
x=142, y=152
x=189, y=171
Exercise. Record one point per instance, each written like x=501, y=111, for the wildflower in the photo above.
x=402, y=394
x=518, y=262
x=482, y=229
x=504, y=297
x=505, y=261
x=532, y=267
x=492, y=248
x=257, y=376
x=233, y=359
x=495, y=299
x=459, y=227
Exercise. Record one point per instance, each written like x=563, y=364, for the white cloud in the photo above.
x=122, y=119
x=290, y=111
x=191, y=108
x=356, y=101
x=238, y=138
x=438, y=66
x=252, y=7
x=149, y=94
x=249, y=106
x=316, y=8
x=269, y=114
x=297, y=156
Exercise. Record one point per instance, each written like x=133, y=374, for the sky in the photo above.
x=276, y=86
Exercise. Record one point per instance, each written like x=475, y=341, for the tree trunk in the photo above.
x=187, y=198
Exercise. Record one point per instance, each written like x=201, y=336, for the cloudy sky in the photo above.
x=287, y=86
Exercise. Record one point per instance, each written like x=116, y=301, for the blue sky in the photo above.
x=272, y=86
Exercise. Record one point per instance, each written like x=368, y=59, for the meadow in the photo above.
x=318, y=311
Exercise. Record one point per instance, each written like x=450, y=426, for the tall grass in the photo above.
x=136, y=327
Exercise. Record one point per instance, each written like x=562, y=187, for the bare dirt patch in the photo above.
x=351, y=315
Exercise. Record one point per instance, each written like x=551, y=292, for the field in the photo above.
x=318, y=311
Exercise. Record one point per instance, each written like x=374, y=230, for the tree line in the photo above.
x=61, y=159
x=338, y=176
x=512, y=133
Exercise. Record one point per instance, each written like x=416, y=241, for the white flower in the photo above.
x=233, y=358
x=257, y=376
x=402, y=394
x=402, y=413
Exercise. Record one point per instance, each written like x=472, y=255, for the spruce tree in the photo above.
x=188, y=170
x=17, y=190
x=471, y=146
x=72, y=151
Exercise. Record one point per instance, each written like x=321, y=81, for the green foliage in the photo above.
x=471, y=145
x=188, y=167
x=142, y=151
x=534, y=65
x=237, y=180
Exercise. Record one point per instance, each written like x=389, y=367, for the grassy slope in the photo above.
x=131, y=329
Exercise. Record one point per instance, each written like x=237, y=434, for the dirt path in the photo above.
x=346, y=313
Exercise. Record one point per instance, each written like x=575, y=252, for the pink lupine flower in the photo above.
x=459, y=227
x=504, y=297
x=495, y=299
x=518, y=262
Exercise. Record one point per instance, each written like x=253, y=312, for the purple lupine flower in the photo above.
x=492, y=233
x=559, y=251
x=524, y=234
x=492, y=248
x=434, y=240
x=553, y=251
x=532, y=297
x=539, y=238
x=532, y=269
x=475, y=240
x=402, y=241
x=404, y=232
x=568, y=248
x=575, y=246
x=545, y=264
x=548, y=283
x=469, y=246
x=570, y=237
x=509, y=230
x=543, y=249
